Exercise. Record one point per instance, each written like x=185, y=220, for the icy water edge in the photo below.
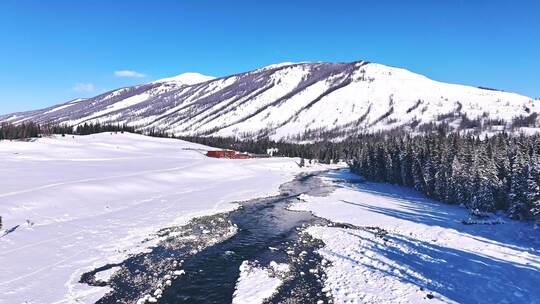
x=199, y=262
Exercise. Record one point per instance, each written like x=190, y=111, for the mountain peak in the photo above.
x=189, y=78
x=277, y=65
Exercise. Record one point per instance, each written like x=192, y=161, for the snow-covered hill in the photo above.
x=290, y=99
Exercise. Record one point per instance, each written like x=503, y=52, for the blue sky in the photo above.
x=54, y=51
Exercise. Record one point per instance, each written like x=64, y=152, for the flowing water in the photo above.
x=209, y=251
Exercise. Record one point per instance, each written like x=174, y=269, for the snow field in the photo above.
x=75, y=203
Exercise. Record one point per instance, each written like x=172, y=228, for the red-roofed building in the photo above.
x=227, y=154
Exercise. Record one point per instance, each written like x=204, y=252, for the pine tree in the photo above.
x=418, y=175
x=532, y=192
x=406, y=167
x=459, y=182
x=518, y=177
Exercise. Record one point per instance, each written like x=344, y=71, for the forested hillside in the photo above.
x=497, y=173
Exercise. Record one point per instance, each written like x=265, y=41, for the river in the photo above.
x=207, y=253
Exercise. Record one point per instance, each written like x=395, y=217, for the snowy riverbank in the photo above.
x=410, y=249
x=74, y=203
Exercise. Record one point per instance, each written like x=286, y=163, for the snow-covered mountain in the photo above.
x=290, y=99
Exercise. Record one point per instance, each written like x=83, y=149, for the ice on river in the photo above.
x=78, y=202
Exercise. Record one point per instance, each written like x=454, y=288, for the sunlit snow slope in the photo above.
x=288, y=99
x=71, y=204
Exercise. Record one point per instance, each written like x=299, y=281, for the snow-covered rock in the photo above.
x=256, y=283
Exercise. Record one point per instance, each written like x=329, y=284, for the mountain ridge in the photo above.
x=292, y=100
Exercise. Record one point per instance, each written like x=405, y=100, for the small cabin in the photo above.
x=227, y=154
x=233, y=154
x=221, y=153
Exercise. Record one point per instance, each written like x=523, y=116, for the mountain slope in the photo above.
x=291, y=99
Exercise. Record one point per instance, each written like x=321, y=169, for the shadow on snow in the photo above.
x=459, y=275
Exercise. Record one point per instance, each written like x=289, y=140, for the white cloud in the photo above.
x=84, y=87
x=128, y=73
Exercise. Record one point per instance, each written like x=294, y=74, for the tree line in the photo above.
x=24, y=130
x=92, y=128
x=323, y=151
x=27, y=130
x=501, y=172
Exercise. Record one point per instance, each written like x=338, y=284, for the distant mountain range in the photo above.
x=305, y=100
